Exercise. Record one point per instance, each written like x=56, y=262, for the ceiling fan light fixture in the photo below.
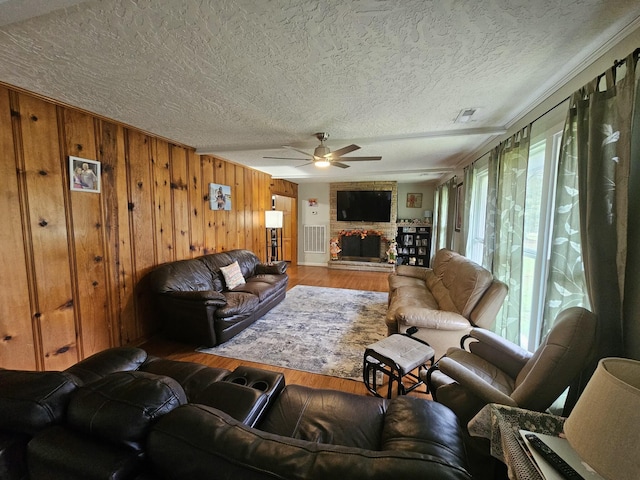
x=322, y=163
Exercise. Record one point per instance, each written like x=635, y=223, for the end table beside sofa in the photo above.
x=123, y=415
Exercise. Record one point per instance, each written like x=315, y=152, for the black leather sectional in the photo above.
x=123, y=415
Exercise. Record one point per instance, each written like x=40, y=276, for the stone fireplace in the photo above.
x=358, y=251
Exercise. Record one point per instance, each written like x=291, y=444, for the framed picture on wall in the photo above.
x=414, y=200
x=84, y=175
x=219, y=197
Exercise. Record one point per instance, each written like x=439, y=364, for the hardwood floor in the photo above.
x=298, y=275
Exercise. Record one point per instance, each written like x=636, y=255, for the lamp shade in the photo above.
x=273, y=218
x=427, y=214
x=604, y=426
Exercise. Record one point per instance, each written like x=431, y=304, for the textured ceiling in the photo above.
x=242, y=78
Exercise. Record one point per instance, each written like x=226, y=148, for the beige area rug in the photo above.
x=315, y=329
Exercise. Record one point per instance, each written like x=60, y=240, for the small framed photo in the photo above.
x=219, y=197
x=84, y=175
x=414, y=200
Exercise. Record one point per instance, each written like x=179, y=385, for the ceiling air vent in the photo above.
x=465, y=115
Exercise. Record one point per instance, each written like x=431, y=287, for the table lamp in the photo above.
x=604, y=426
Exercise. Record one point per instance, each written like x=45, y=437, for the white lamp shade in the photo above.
x=273, y=218
x=604, y=426
x=427, y=214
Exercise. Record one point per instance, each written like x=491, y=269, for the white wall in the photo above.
x=320, y=214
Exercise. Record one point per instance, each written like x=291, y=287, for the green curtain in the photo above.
x=469, y=176
x=490, y=234
x=566, y=283
x=513, y=157
x=597, y=145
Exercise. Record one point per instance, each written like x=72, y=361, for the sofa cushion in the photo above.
x=103, y=363
x=458, y=283
x=183, y=276
x=195, y=440
x=238, y=303
x=232, y=275
x=326, y=416
x=60, y=453
x=121, y=407
x=192, y=377
x=31, y=401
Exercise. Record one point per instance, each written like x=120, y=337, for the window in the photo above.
x=544, y=150
x=538, y=218
x=477, y=220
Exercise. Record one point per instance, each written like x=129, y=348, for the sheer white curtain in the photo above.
x=443, y=215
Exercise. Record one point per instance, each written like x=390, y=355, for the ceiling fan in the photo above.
x=323, y=157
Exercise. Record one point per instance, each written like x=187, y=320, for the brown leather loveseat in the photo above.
x=194, y=303
x=122, y=415
x=444, y=302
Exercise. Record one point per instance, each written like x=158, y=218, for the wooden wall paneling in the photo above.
x=241, y=208
x=208, y=168
x=47, y=217
x=93, y=317
x=17, y=341
x=165, y=251
x=260, y=201
x=180, y=194
x=248, y=211
x=219, y=177
x=197, y=204
x=115, y=198
x=236, y=208
x=284, y=187
x=142, y=225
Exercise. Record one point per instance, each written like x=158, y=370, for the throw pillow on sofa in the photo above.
x=232, y=275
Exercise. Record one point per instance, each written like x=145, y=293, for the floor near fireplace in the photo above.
x=370, y=266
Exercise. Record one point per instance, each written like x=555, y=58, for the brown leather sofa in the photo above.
x=194, y=305
x=121, y=415
x=444, y=302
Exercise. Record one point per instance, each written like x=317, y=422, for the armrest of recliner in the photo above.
x=412, y=271
x=423, y=317
x=210, y=297
x=473, y=383
x=497, y=350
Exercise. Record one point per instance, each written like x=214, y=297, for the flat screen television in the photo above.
x=363, y=206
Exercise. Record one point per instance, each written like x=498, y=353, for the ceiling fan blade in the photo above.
x=286, y=158
x=360, y=159
x=298, y=150
x=343, y=151
x=338, y=164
